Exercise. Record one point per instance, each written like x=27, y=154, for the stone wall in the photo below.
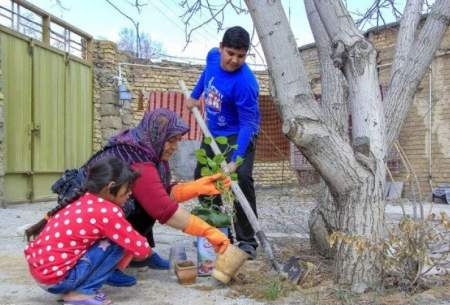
x=416, y=132
x=142, y=77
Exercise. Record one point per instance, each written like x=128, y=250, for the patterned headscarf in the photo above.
x=146, y=141
x=155, y=128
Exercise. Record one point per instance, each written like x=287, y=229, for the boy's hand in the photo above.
x=231, y=167
x=191, y=103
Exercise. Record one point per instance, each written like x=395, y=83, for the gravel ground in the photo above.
x=154, y=287
x=282, y=212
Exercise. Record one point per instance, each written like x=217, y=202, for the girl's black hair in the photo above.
x=99, y=175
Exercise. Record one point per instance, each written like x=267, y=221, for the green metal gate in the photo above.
x=48, y=115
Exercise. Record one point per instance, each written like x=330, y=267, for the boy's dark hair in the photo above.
x=236, y=37
x=99, y=175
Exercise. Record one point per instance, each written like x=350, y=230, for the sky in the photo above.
x=161, y=20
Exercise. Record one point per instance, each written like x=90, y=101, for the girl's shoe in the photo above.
x=153, y=262
x=86, y=302
x=120, y=279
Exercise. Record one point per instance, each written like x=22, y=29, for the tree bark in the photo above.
x=323, y=221
x=355, y=173
x=360, y=213
x=407, y=32
x=406, y=78
x=353, y=178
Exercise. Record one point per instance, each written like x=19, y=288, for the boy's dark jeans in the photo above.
x=244, y=231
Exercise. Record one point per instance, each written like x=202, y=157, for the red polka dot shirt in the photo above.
x=73, y=230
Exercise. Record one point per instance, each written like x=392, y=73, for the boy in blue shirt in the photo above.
x=231, y=93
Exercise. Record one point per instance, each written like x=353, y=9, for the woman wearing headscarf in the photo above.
x=147, y=149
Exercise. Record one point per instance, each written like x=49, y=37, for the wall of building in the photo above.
x=144, y=77
x=414, y=137
x=418, y=137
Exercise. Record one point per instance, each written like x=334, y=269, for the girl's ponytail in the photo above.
x=37, y=228
x=99, y=175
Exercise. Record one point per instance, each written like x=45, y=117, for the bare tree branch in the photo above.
x=404, y=81
x=407, y=32
x=304, y=123
x=356, y=56
x=333, y=101
x=60, y=4
x=375, y=13
x=135, y=23
x=216, y=14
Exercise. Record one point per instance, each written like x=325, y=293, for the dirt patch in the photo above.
x=256, y=280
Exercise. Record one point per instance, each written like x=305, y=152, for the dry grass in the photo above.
x=256, y=280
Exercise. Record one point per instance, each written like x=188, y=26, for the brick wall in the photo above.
x=415, y=134
x=145, y=77
x=414, y=137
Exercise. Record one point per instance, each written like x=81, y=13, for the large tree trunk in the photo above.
x=323, y=219
x=354, y=175
x=361, y=215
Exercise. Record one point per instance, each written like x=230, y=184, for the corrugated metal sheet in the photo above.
x=175, y=101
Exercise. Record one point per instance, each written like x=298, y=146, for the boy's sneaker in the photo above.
x=120, y=279
x=249, y=249
x=153, y=262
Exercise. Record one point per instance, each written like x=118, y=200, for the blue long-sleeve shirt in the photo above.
x=231, y=101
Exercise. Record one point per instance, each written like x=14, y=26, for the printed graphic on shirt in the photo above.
x=221, y=121
x=214, y=97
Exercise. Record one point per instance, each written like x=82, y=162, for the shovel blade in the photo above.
x=293, y=269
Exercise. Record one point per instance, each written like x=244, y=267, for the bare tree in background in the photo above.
x=352, y=166
x=138, y=6
x=149, y=48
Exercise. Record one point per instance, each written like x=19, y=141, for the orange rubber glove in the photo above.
x=198, y=227
x=202, y=186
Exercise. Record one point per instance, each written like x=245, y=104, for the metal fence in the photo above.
x=29, y=20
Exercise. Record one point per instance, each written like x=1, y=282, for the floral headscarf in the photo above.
x=146, y=141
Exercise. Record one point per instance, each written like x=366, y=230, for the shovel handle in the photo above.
x=234, y=185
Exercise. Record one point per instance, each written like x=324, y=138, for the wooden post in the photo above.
x=88, y=49
x=46, y=30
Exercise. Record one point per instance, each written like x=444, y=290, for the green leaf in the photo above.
x=200, y=153
x=239, y=160
x=215, y=169
x=205, y=172
x=212, y=217
x=211, y=163
x=222, y=140
x=207, y=140
x=234, y=176
x=202, y=160
x=235, y=146
x=219, y=159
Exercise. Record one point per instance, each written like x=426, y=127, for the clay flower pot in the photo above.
x=186, y=272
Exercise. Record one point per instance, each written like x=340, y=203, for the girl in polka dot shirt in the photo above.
x=77, y=246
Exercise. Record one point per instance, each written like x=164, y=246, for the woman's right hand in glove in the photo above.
x=202, y=186
x=198, y=227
